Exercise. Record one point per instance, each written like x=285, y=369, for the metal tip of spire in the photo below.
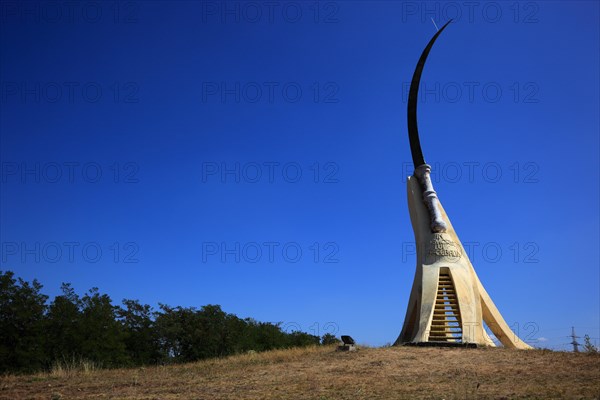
x=413, y=131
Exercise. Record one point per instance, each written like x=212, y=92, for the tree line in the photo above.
x=35, y=334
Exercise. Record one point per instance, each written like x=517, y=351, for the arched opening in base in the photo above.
x=446, y=325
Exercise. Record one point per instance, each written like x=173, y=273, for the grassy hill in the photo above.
x=322, y=373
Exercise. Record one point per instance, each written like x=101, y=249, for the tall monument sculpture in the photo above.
x=448, y=305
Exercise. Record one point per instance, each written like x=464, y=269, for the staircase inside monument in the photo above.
x=446, y=324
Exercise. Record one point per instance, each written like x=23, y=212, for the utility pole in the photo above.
x=574, y=342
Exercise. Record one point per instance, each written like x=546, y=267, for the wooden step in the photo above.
x=438, y=321
x=445, y=322
x=440, y=337
x=441, y=329
x=441, y=323
x=450, y=335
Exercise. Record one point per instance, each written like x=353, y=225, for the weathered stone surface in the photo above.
x=347, y=347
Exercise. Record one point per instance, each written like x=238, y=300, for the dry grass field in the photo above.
x=322, y=373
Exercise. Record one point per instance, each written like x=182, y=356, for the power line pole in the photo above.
x=574, y=342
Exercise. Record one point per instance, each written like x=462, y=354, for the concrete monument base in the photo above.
x=448, y=304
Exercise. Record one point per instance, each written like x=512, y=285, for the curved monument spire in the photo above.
x=413, y=96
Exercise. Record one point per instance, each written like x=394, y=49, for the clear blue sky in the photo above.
x=172, y=134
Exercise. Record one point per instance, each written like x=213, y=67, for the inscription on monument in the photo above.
x=442, y=246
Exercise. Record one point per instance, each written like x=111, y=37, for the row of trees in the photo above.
x=35, y=333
